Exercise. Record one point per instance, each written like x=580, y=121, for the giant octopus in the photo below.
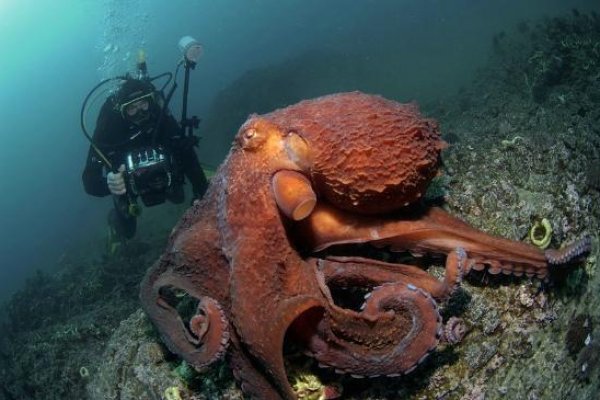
x=256, y=254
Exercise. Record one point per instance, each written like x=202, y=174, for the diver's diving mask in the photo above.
x=138, y=109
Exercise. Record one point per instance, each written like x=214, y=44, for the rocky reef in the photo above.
x=57, y=327
x=525, y=146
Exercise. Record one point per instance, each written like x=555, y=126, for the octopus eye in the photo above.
x=249, y=133
x=252, y=138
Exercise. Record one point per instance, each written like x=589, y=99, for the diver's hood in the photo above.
x=132, y=89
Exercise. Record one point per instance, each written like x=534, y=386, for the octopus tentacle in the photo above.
x=206, y=338
x=570, y=252
x=399, y=326
x=362, y=272
x=455, y=330
x=210, y=325
x=455, y=270
x=431, y=231
x=251, y=380
x=264, y=343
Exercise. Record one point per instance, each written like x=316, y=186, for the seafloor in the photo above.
x=524, y=145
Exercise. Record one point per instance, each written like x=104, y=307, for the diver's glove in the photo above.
x=116, y=182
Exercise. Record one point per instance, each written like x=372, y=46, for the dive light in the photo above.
x=191, y=49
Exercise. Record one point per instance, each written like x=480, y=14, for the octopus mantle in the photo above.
x=335, y=171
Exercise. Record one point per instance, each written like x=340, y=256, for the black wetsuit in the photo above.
x=116, y=137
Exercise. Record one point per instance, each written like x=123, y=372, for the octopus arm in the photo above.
x=361, y=272
x=431, y=231
x=570, y=252
x=397, y=329
x=251, y=380
x=206, y=338
x=264, y=340
x=399, y=324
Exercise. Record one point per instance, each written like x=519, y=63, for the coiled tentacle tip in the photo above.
x=570, y=252
x=455, y=330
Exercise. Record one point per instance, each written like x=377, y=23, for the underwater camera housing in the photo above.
x=150, y=175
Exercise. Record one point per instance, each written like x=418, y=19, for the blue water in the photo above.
x=55, y=51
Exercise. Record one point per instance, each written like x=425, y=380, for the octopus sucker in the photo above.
x=494, y=270
x=516, y=269
x=411, y=369
x=424, y=357
x=332, y=173
x=477, y=266
x=542, y=275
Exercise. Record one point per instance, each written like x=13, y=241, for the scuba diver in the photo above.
x=139, y=150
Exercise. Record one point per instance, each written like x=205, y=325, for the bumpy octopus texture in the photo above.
x=336, y=170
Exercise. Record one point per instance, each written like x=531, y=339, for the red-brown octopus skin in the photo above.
x=334, y=170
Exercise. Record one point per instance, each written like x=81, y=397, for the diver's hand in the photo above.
x=116, y=182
